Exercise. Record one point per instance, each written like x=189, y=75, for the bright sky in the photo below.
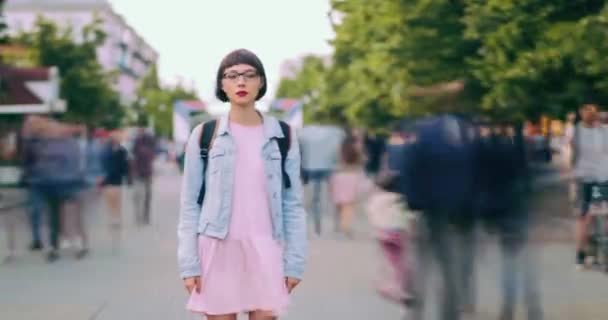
x=192, y=36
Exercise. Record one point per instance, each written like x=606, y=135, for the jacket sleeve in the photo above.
x=187, y=228
x=294, y=216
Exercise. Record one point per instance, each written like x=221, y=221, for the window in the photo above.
x=124, y=58
x=126, y=36
x=19, y=25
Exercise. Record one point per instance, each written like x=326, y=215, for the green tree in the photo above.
x=6, y=121
x=306, y=85
x=394, y=58
x=3, y=26
x=506, y=59
x=85, y=86
x=366, y=82
x=539, y=57
x=156, y=102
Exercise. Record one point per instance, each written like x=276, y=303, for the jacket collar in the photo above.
x=272, y=128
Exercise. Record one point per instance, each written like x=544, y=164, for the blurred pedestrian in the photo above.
x=73, y=228
x=391, y=222
x=144, y=152
x=116, y=167
x=504, y=186
x=348, y=184
x=439, y=180
x=54, y=172
x=588, y=155
x=242, y=227
x=375, y=145
x=569, y=128
x=320, y=146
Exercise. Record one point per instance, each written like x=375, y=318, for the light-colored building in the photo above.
x=124, y=51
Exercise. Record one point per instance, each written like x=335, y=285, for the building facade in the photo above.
x=124, y=51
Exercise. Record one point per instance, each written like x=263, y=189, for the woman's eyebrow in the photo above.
x=247, y=70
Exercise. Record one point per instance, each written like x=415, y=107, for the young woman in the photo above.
x=244, y=248
x=348, y=183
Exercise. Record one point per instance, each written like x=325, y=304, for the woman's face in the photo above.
x=241, y=83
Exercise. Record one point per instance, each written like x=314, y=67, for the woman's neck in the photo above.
x=247, y=116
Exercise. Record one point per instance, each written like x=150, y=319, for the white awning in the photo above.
x=59, y=106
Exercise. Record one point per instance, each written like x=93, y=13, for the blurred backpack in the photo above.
x=439, y=168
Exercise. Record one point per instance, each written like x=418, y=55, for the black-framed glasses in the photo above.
x=247, y=75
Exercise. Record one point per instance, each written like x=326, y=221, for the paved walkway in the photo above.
x=141, y=281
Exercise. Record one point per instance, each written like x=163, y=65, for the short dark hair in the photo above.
x=240, y=56
x=350, y=153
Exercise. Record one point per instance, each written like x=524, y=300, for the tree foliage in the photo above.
x=516, y=59
x=85, y=86
x=155, y=102
x=3, y=26
x=539, y=57
x=306, y=85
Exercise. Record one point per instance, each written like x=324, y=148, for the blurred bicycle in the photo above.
x=598, y=238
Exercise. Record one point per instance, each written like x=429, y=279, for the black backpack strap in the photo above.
x=284, y=145
x=205, y=141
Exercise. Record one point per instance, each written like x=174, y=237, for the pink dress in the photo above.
x=243, y=272
x=347, y=184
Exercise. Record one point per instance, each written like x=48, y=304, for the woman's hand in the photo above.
x=193, y=283
x=291, y=283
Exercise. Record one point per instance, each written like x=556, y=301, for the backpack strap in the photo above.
x=284, y=145
x=205, y=143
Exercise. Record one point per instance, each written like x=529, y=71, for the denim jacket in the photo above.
x=213, y=218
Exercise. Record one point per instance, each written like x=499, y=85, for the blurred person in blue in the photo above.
x=54, y=173
x=320, y=147
x=74, y=233
x=97, y=148
x=73, y=228
x=438, y=180
x=505, y=186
